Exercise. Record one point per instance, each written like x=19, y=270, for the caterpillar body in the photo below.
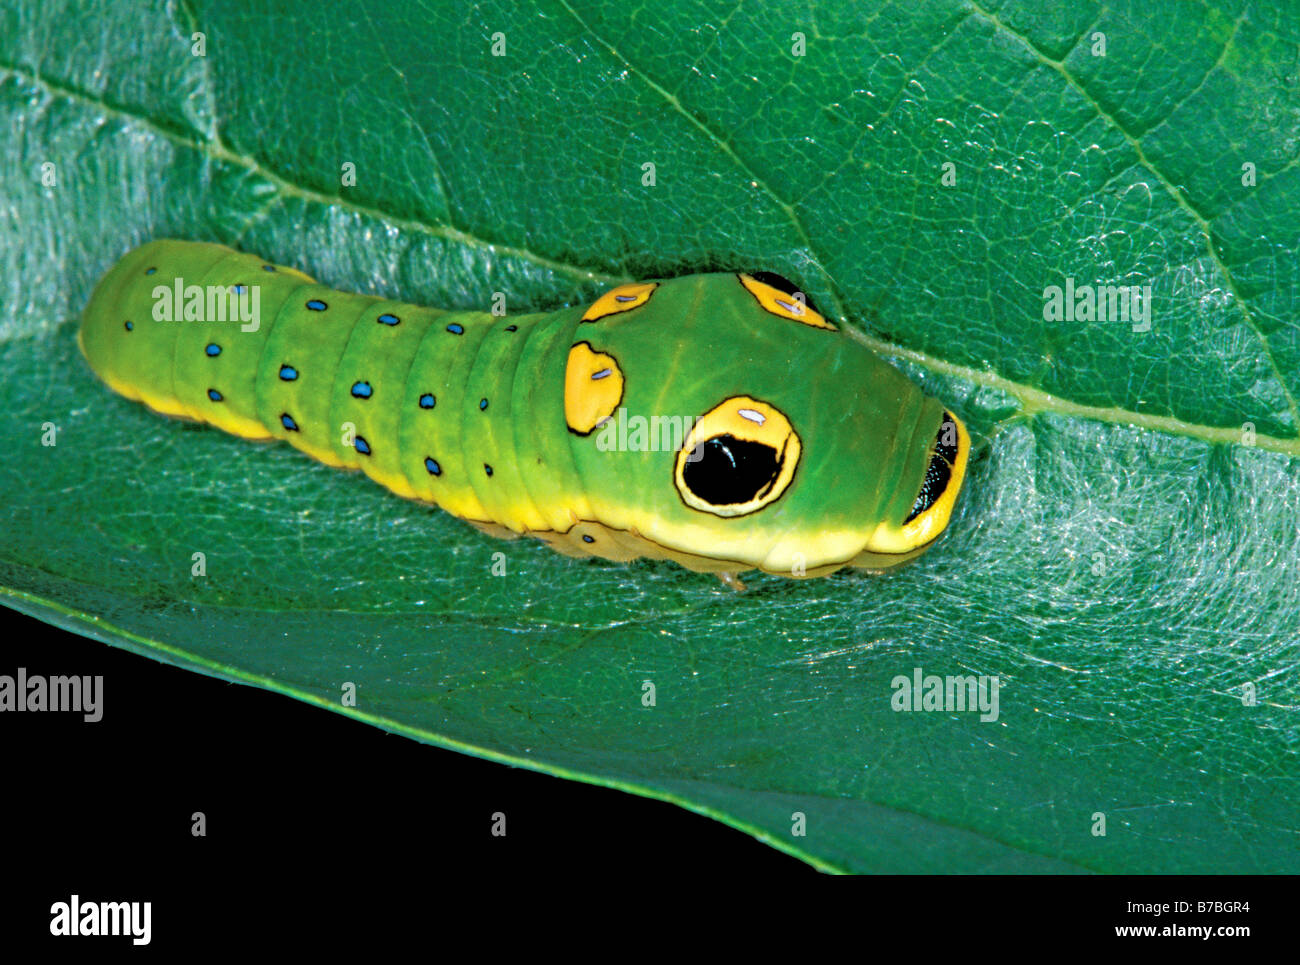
x=717, y=420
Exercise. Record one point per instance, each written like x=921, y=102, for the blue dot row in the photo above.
x=360, y=390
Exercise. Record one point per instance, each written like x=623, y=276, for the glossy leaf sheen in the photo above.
x=1124, y=560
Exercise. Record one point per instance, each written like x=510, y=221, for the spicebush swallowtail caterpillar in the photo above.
x=800, y=450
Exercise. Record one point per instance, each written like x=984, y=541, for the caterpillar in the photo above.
x=718, y=420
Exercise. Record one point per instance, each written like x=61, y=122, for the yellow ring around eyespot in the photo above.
x=928, y=525
x=748, y=419
x=593, y=388
x=782, y=305
x=624, y=298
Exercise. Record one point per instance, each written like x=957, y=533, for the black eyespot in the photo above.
x=783, y=284
x=939, y=472
x=731, y=470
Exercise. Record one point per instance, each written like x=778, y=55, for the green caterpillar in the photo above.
x=717, y=420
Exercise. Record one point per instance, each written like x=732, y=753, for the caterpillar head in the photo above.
x=726, y=420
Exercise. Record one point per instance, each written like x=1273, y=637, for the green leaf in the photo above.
x=1126, y=559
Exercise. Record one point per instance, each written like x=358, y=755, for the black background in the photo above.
x=313, y=816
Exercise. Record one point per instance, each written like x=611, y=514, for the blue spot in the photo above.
x=361, y=390
x=214, y=395
x=427, y=401
x=268, y=268
x=600, y=375
x=316, y=305
x=487, y=469
x=431, y=464
x=213, y=349
x=589, y=539
x=130, y=326
x=387, y=319
x=150, y=271
x=239, y=289
x=456, y=329
x=512, y=328
x=362, y=446
x=286, y=420
x=288, y=373
x=482, y=405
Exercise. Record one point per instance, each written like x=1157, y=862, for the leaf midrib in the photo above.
x=1032, y=400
